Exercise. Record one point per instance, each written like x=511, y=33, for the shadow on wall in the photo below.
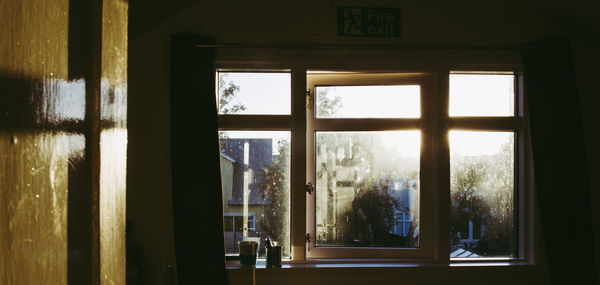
x=45, y=182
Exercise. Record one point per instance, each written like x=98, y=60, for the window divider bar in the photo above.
x=258, y=122
x=366, y=124
x=485, y=123
x=442, y=161
x=298, y=164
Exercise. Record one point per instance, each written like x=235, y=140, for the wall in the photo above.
x=468, y=22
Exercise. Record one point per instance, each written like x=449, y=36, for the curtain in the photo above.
x=195, y=164
x=560, y=166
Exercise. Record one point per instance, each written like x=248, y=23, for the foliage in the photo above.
x=482, y=192
x=372, y=216
x=368, y=217
x=467, y=202
x=273, y=181
x=327, y=106
x=227, y=93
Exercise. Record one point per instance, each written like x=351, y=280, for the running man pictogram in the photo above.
x=352, y=21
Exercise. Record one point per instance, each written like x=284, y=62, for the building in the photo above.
x=242, y=161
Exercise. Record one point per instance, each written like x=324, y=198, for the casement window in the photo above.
x=392, y=165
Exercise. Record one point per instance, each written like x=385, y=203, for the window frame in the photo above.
x=438, y=65
x=314, y=124
x=523, y=177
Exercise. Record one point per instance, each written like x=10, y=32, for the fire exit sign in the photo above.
x=369, y=22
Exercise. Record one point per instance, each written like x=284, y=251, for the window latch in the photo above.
x=307, y=240
x=309, y=188
x=309, y=100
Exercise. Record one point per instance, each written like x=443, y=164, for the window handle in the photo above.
x=309, y=188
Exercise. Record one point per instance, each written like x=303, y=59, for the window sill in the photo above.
x=322, y=273
x=325, y=264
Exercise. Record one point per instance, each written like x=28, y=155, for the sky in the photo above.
x=470, y=95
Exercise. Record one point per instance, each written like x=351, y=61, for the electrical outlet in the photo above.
x=168, y=264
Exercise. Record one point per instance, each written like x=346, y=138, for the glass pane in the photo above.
x=364, y=182
x=228, y=224
x=390, y=101
x=482, y=194
x=255, y=176
x=482, y=95
x=254, y=93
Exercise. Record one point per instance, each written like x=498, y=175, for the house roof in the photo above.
x=461, y=253
x=224, y=155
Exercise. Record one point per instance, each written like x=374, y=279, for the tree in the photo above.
x=227, y=93
x=326, y=105
x=467, y=202
x=274, y=183
x=482, y=191
x=360, y=209
x=372, y=215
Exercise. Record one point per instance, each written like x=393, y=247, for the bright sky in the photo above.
x=391, y=101
x=405, y=142
x=470, y=95
x=482, y=95
x=471, y=143
x=262, y=93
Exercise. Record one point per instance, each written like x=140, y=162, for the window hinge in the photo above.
x=309, y=188
x=307, y=240
x=309, y=99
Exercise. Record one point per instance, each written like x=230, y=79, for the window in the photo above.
x=255, y=163
x=427, y=165
x=364, y=155
x=482, y=165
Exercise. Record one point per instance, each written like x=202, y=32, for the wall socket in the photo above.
x=168, y=264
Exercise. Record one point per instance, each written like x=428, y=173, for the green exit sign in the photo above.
x=369, y=22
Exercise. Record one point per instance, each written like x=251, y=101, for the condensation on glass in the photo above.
x=367, y=189
x=482, y=216
x=255, y=177
x=482, y=94
x=113, y=142
x=44, y=180
x=369, y=101
x=254, y=93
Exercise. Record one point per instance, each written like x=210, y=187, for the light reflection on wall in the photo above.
x=34, y=173
x=65, y=101
x=113, y=170
x=46, y=220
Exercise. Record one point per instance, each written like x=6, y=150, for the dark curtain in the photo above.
x=195, y=164
x=559, y=160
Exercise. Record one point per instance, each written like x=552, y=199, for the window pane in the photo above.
x=364, y=182
x=482, y=194
x=254, y=93
x=482, y=95
x=391, y=101
x=255, y=176
x=228, y=223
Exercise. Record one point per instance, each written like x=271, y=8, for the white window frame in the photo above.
x=320, y=78
x=434, y=123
